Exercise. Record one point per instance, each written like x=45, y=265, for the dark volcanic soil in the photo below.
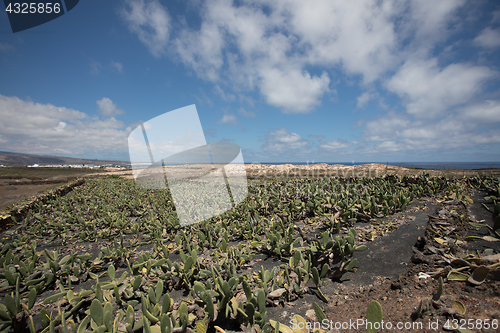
x=401, y=295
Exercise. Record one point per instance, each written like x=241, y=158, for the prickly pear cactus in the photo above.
x=374, y=317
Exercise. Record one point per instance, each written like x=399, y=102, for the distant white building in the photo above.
x=75, y=166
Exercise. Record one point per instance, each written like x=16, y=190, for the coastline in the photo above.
x=323, y=170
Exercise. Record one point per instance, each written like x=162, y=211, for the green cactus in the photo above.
x=250, y=312
x=165, y=323
x=108, y=316
x=183, y=316
x=98, y=292
x=315, y=275
x=130, y=319
x=145, y=325
x=350, y=264
x=166, y=303
x=97, y=312
x=32, y=297
x=439, y=292
x=320, y=315
x=111, y=272
x=261, y=301
x=146, y=313
x=374, y=317
x=137, y=282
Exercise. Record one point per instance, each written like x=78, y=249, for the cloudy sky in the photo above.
x=286, y=80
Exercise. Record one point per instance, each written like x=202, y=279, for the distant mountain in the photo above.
x=8, y=158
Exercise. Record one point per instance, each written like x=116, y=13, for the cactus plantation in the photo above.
x=111, y=257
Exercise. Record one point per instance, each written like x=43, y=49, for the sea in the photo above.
x=416, y=165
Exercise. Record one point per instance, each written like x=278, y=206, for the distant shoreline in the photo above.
x=20, y=159
x=408, y=165
x=470, y=166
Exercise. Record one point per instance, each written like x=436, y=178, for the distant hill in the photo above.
x=8, y=158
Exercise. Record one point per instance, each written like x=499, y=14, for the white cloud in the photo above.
x=337, y=144
x=118, y=66
x=386, y=128
x=229, y=119
x=270, y=45
x=489, y=38
x=202, y=51
x=399, y=132
x=358, y=35
x=388, y=146
x=429, y=91
x=281, y=140
x=430, y=22
x=150, y=21
x=245, y=113
x=274, y=49
x=108, y=108
x=364, y=98
x=294, y=52
x=487, y=112
x=292, y=90
x=30, y=127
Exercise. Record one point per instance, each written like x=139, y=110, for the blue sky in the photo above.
x=286, y=80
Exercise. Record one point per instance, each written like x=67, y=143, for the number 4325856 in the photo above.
x=33, y=7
